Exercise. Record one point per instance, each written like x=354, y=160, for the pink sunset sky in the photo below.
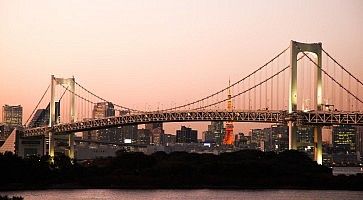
x=162, y=52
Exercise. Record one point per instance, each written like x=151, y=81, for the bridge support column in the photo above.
x=52, y=119
x=51, y=149
x=292, y=135
x=71, y=145
x=72, y=116
x=318, y=146
x=296, y=48
x=70, y=82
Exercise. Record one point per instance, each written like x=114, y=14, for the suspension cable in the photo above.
x=123, y=107
x=89, y=101
x=342, y=67
x=36, y=107
x=251, y=88
x=65, y=90
x=241, y=80
x=247, y=90
x=340, y=85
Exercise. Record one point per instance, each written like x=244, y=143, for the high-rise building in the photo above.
x=279, y=138
x=127, y=133
x=359, y=140
x=208, y=137
x=12, y=115
x=89, y=135
x=5, y=131
x=143, y=136
x=344, y=145
x=305, y=135
x=151, y=126
x=186, y=135
x=157, y=136
x=41, y=116
x=344, y=139
x=305, y=139
x=243, y=141
x=101, y=110
x=169, y=139
x=259, y=138
x=157, y=133
x=215, y=133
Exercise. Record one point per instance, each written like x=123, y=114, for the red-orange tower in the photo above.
x=228, y=137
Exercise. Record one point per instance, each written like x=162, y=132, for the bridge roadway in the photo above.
x=316, y=118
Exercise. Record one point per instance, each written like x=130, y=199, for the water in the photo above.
x=347, y=170
x=113, y=194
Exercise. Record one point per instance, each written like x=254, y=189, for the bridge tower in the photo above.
x=228, y=137
x=69, y=83
x=296, y=48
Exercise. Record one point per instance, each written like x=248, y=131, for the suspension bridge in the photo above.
x=303, y=85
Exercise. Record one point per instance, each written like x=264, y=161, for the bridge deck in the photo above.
x=319, y=118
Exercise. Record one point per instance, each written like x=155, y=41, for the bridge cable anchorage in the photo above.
x=36, y=107
x=340, y=85
x=249, y=89
x=350, y=74
x=232, y=85
x=123, y=107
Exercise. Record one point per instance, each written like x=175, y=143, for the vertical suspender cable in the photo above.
x=272, y=86
x=277, y=85
x=266, y=105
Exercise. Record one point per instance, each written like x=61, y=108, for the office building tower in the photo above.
x=279, y=138
x=144, y=136
x=216, y=132
x=208, y=137
x=157, y=133
x=101, y=110
x=127, y=133
x=12, y=115
x=169, y=139
x=186, y=135
x=344, y=137
x=359, y=139
x=259, y=138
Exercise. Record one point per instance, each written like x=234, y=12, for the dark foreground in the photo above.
x=247, y=169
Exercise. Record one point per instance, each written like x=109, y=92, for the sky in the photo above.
x=140, y=53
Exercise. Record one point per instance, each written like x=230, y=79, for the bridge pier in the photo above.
x=71, y=145
x=51, y=145
x=296, y=48
x=318, y=146
x=70, y=82
x=292, y=135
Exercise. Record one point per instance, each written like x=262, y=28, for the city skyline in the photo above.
x=124, y=50
x=222, y=99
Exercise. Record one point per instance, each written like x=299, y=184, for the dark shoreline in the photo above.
x=173, y=188
x=243, y=170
